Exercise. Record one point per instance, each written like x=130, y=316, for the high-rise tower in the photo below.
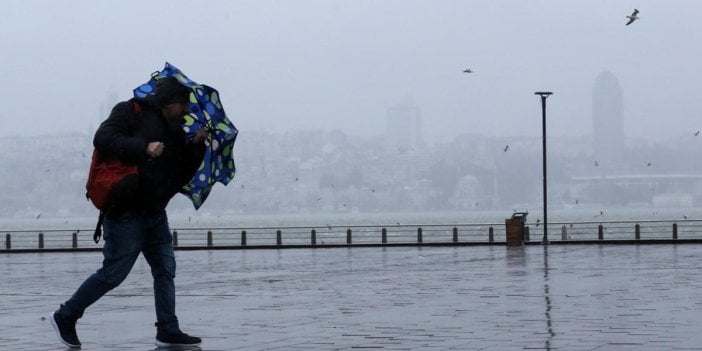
x=607, y=120
x=404, y=125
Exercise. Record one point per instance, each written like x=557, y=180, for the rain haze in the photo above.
x=372, y=107
x=339, y=65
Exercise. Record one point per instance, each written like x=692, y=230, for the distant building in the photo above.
x=106, y=106
x=404, y=125
x=607, y=120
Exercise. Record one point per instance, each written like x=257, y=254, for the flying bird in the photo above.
x=506, y=148
x=697, y=133
x=467, y=70
x=633, y=17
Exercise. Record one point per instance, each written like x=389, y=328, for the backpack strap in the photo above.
x=137, y=107
x=98, y=228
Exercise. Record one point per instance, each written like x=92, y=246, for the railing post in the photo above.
x=600, y=232
x=675, y=231
x=348, y=236
x=526, y=233
x=419, y=235
x=74, y=243
x=637, y=231
x=313, y=237
x=279, y=238
x=455, y=234
x=175, y=238
x=491, y=234
x=383, y=236
x=41, y=240
x=564, y=233
x=8, y=241
x=243, y=238
x=209, y=238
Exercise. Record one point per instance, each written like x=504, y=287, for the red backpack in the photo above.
x=105, y=180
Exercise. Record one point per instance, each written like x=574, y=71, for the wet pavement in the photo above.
x=567, y=297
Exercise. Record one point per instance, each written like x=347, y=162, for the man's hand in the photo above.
x=155, y=149
x=200, y=136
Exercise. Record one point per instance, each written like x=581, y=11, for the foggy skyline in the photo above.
x=341, y=64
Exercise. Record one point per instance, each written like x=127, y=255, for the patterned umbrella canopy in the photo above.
x=206, y=111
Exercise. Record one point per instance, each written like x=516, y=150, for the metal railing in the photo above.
x=372, y=235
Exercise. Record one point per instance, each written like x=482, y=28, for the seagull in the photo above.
x=506, y=148
x=697, y=133
x=633, y=17
x=467, y=70
x=648, y=164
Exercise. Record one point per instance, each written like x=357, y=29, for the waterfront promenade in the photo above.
x=563, y=297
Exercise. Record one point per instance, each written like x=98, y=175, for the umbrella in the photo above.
x=206, y=111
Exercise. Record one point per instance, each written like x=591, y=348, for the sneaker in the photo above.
x=164, y=339
x=65, y=329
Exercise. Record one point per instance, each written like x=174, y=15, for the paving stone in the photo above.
x=575, y=297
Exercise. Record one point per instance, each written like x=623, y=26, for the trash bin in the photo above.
x=515, y=228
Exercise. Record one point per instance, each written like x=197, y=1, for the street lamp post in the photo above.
x=544, y=95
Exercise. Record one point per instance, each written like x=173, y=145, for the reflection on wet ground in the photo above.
x=576, y=297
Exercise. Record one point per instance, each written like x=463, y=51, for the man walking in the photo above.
x=145, y=132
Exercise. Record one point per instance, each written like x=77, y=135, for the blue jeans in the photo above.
x=125, y=237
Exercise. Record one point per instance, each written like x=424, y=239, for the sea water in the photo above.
x=204, y=219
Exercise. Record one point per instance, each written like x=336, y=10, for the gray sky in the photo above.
x=324, y=64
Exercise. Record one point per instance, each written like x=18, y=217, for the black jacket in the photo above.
x=126, y=133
